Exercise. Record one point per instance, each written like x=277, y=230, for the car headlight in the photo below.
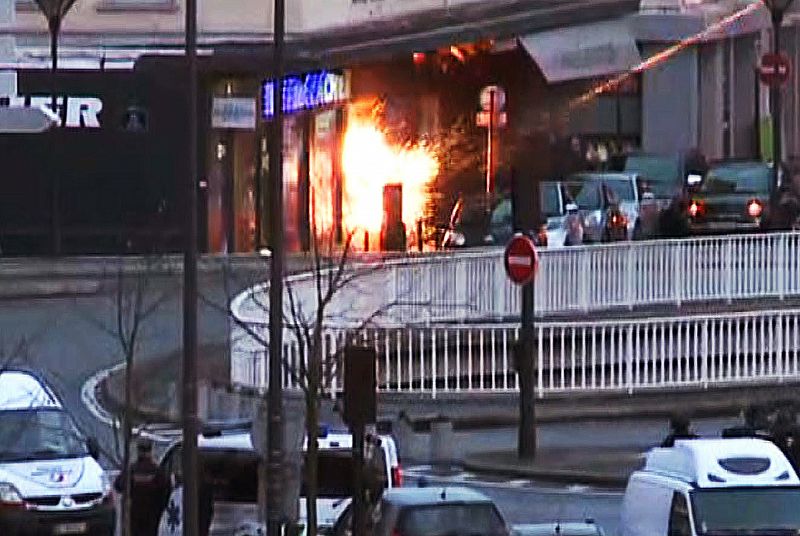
x=457, y=239
x=105, y=482
x=9, y=494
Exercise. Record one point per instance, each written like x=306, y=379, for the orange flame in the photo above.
x=369, y=162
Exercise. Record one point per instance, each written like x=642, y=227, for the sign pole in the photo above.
x=521, y=263
x=775, y=99
x=490, y=146
x=526, y=444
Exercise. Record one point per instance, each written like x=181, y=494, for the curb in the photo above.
x=562, y=476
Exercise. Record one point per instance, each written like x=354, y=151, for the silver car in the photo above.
x=430, y=510
x=596, y=193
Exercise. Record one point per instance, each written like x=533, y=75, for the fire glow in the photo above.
x=369, y=162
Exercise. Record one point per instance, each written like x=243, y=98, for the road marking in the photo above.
x=100, y=413
x=519, y=483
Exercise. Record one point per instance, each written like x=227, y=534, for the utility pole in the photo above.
x=190, y=426
x=275, y=447
x=777, y=9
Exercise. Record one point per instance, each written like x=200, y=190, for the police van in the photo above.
x=708, y=487
x=50, y=481
x=228, y=455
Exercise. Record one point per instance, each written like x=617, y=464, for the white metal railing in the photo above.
x=472, y=285
x=621, y=355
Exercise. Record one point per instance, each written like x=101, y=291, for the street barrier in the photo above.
x=472, y=285
x=621, y=355
x=446, y=322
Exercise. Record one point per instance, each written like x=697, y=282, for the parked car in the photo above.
x=667, y=175
x=604, y=200
x=434, y=510
x=473, y=223
x=731, y=198
x=702, y=487
x=585, y=528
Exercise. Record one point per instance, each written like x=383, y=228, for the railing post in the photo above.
x=729, y=270
x=629, y=359
x=583, y=281
x=704, y=356
x=677, y=266
x=779, y=270
x=630, y=276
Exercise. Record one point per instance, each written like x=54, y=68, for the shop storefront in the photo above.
x=105, y=181
x=238, y=161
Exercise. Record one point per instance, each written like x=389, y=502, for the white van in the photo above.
x=713, y=487
x=50, y=481
x=234, y=462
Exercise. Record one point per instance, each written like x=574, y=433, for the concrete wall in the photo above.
x=670, y=103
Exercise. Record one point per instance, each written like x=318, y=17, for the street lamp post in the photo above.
x=191, y=518
x=275, y=447
x=54, y=11
x=777, y=9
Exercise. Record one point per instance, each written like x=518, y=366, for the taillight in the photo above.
x=397, y=477
x=754, y=209
x=694, y=209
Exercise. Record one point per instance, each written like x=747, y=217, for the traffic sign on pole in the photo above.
x=483, y=119
x=774, y=69
x=493, y=97
x=521, y=259
x=25, y=120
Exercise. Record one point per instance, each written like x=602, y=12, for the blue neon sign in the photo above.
x=306, y=92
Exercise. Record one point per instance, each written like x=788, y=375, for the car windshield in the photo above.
x=461, y=519
x=621, y=189
x=551, y=200
x=747, y=511
x=586, y=194
x=38, y=434
x=737, y=179
x=661, y=173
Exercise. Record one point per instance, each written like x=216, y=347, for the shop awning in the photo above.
x=586, y=51
x=383, y=39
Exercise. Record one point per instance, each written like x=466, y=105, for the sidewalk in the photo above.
x=599, y=467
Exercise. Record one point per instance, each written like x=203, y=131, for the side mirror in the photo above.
x=93, y=447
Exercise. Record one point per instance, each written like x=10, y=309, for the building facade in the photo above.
x=119, y=155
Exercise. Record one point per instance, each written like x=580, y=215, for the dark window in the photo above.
x=737, y=179
x=745, y=466
x=772, y=510
x=679, y=524
x=445, y=519
x=551, y=200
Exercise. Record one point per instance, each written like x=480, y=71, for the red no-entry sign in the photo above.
x=774, y=69
x=521, y=259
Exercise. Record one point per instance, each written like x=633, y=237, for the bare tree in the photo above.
x=135, y=299
x=333, y=268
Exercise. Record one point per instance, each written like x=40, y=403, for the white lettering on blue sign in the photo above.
x=306, y=92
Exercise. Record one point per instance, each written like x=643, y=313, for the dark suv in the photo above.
x=731, y=198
